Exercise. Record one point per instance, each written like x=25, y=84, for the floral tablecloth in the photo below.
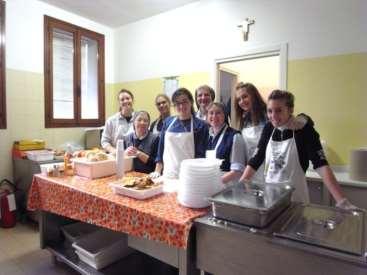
x=159, y=218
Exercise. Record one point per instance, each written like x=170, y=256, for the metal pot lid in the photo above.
x=326, y=227
x=254, y=196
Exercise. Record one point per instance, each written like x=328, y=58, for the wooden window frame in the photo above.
x=2, y=67
x=50, y=122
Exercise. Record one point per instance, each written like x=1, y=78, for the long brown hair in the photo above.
x=258, y=106
x=185, y=92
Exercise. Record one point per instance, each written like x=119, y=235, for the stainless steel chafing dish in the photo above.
x=326, y=227
x=254, y=205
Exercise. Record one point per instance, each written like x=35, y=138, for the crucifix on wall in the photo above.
x=245, y=27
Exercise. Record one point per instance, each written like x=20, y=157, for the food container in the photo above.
x=94, y=169
x=153, y=190
x=326, y=227
x=40, y=155
x=77, y=230
x=134, y=193
x=102, y=248
x=357, y=164
x=253, y=205
x=48, y=169
x=29, y=144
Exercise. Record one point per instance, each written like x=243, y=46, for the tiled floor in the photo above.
x=20, y=253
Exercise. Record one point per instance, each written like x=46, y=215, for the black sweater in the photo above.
x=307, y=141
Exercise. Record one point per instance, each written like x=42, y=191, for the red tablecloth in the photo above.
x=159, y=218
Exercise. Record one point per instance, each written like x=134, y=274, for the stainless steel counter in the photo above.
x=341, y=176
x=355, y=191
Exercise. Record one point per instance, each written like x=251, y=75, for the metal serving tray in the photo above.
x=327, y=227
x=253, y=205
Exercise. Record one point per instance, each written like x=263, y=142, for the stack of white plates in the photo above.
x=199, y=179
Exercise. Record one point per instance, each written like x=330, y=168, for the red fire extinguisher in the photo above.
x=7, y=204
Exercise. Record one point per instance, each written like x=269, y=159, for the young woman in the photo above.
x=163, y=105
x=287, y=152
x=204, y=95
x=120, y=124
x=250, y=111
x=182, y=137
x=142, y=144
x=225, y=143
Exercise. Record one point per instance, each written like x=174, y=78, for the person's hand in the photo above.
x=131, y=151
x=154, y=175
x=244, y=181
x=345, y=204
x=112, y=151
x=297, y=123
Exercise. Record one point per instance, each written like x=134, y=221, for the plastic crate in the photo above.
x=94, y=169
x=33, y=144
x=40, y=155
x=77, y=230
x=102, y=247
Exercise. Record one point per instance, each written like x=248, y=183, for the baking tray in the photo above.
x=254, y=204
x=141, y=194
x=326, y=227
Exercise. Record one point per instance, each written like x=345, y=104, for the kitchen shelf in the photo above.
x=65, y=253
x=52, y=239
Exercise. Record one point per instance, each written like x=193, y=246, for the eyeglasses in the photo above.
x=184, y=102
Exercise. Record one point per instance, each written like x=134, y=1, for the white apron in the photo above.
x=177, y=147
x=212, y=154
x=155, y=128
x=251, y=136
x=282, y=167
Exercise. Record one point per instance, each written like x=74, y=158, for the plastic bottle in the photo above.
x=120, y=151
x=67, y=159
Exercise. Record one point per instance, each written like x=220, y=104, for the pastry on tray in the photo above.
x=138, y=182
x=96, y=156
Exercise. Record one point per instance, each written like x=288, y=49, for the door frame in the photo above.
x=233, y=86
x=263, y=51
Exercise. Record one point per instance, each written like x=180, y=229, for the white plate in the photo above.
x=201, y=162
x=193, y=203
x=136, y=194
x=170, y=185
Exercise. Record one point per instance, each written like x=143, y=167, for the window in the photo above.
x=170, y=85
x=74, y=75
x=2, y=67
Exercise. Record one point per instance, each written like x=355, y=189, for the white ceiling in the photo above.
x=115, y=13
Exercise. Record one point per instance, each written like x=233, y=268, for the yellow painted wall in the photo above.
x=25, y=109
x=332, y=90
x=110, y=100
x=193, y=80
x=146, y=90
